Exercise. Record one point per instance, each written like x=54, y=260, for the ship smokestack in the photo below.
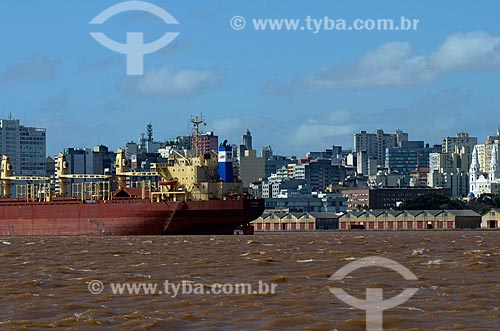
x=225, y=170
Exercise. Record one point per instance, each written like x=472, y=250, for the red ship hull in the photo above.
x=125, y=217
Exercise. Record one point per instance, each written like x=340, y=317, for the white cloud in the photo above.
x=429, y=117
x=467, y=51
x=165, y=82
x=30, y=69
x=448, y=111
x=56, y=104
x=443, y=113
x=322, y=130
x=396, y=64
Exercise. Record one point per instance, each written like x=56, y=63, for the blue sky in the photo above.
x=295, y=90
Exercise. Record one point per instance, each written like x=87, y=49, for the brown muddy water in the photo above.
x=44, y=281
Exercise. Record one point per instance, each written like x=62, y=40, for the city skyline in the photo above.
x=292, y=89
x=190, y=132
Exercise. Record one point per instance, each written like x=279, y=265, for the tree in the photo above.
x=430, y=201
x=484, y=203
x=434, y=201
x=455, y=204
x=478, y=207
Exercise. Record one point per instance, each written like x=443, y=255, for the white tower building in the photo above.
x=481, y=183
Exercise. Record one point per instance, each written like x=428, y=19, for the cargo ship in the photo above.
x=195, y=194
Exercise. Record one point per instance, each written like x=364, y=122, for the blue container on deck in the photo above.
x=226, y=163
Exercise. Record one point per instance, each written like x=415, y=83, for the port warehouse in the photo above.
x=376, y=220
x=410, y=220
x=491, y=219
x=296, y=221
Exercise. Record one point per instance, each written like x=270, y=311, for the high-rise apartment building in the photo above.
x=247, y=140
x=252, y=168
x=266, y=152
x=25, y=146
x=409, y=156
x=461, y=140
x=103, y=160
x=449, y=167
x=207, y=142
x=320, y=173
x=375, y=144
x=79, y=161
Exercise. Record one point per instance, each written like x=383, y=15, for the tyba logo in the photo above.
x=135, y=48
x=374, y=305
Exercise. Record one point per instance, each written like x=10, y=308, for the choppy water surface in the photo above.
x=44, y=281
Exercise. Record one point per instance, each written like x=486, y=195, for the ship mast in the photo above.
x=197, y=120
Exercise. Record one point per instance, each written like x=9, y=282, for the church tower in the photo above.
x=474, y=170
x=494, y=175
